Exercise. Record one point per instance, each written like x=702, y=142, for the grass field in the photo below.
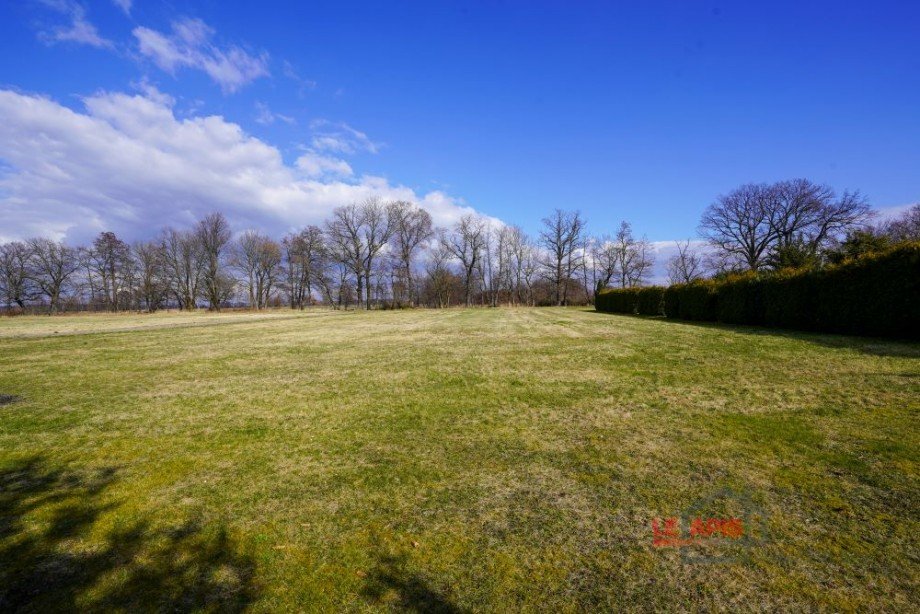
x=460, y=460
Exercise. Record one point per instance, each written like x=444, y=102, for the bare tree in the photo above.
x=686, y=265
x=738, y=224
x=906, y=227
x=382, y=278
x=377, y=228
x=836, y=218
x=485, y=269
x=440, y=278
x=258, y=257
x=795, y=206
x=811, y=215
x=14, y=274
x=152, y=282
x=606, y=261
x=110, y=261
x=411, y=230
x=759, y=221
x=183, y=262
x=504, y=257
x=213, y=235
x=632, y=259
x=345, y=244
x=356, y=234
x=466, y=243
x=641, y=263
x=525, y=265
x=51, y=265
x=575, y=259
x=304, y=262
x=245, y=257
x=588, y=267
x=560, y=238
x=335, y=284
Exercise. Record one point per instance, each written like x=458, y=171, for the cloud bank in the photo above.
x=126, y=163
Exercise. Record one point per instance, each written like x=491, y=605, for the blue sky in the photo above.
x=639, y=111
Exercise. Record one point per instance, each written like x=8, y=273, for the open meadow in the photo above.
x=453, y=460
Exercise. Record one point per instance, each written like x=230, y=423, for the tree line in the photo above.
x=376, y=254
x=369, y=254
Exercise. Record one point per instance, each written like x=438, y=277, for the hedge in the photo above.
x=616, y=300
x=693, y=301
x=876, y=295
x=647, y=301
x=740, y=301
x=650, y=301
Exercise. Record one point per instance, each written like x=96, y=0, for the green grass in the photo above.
x=508, y=459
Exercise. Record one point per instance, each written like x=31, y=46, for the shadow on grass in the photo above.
x=55, y=556
x=390, y=582
x=877, y=346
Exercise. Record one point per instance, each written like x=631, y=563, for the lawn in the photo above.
x=458, y=460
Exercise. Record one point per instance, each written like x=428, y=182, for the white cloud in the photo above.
x=126, y=163
x=124, y=5
x=265, y=116
x=886, y=214
x=303, y=85
x=189, y=46
x=149, y=90
x=340, y=138
x=318, y=165
x=78, y=30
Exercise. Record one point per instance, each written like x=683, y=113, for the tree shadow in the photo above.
x=392, y=583
x=8, y=399
x=876, y=346
x=57, y=555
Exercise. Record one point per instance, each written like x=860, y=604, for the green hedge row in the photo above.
x=650, y=301
x=647, y=301
x=615, y=300
x=876, y=295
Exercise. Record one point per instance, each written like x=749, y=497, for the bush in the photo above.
x=617, y=300
x=672, y=300
x=647, y=301
x=692, y=301
x=650, y=301
x=876, y=294
x=739, y=300
x=789, y=300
